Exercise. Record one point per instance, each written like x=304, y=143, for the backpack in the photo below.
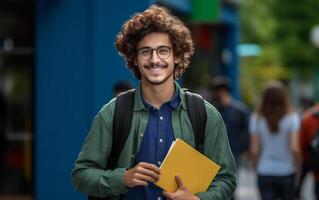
x=313, y=148
x=122, y=119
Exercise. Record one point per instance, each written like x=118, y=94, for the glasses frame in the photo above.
x=150, y=53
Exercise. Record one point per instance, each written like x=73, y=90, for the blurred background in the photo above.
x=58, y=65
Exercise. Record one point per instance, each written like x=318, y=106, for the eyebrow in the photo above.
x=146, y=47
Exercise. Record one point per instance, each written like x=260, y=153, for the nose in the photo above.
x=154, y=56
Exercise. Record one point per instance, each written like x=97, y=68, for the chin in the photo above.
x=156, y=82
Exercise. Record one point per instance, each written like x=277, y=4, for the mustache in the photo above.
x=156, y=65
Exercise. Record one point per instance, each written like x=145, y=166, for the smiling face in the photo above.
x=155, y=59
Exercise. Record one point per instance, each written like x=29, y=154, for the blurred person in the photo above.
x=121, y=86
x=157, y=47
x=274, y=144
x=305, y=103
x=235, y=115
x=309, y=128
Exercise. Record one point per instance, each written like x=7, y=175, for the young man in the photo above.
x=157, y=48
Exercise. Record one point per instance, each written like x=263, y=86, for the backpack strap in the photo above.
x=197, y=114
x=122, y=119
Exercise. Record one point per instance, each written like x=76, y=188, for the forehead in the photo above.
x=154, y=40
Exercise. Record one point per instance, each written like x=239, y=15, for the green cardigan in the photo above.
x=90, y=177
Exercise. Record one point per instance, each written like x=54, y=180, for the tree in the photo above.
x=282, y=29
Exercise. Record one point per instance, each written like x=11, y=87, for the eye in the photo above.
x=144, y=51
x=163, y=50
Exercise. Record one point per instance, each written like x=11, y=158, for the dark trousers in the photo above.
x=304, y=171
x=276, y=187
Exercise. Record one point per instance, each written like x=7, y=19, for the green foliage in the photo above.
x=282, y=29
x=285, y=24
x=258, y=22
x=296, y=19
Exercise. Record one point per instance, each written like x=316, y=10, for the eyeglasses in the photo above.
x=146, y=53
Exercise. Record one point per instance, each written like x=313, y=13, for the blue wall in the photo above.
x=76, y=66
x=230, y=18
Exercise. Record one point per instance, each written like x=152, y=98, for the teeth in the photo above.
x=156, y=69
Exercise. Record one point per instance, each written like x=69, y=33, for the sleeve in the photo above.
x=295, y=123
x=89, y=174
x=217, y=148
x=253, y=124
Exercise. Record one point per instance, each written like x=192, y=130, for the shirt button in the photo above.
x=159, y=198
x=141, y=135
x=132, y=156
x=161, y=140
x=159, y=163
x=161, y=118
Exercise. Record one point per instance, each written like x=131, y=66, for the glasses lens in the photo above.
x=163, y=52
x=145, y=53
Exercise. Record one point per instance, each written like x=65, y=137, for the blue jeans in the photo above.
x=274, y=187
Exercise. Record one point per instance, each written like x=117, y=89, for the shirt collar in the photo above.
x=174, y=102
x=138, y=103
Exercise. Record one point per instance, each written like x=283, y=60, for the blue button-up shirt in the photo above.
x=157, y=140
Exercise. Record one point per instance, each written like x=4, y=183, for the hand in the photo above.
x=142, y=174
x=182, y=193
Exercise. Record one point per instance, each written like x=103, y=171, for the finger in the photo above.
x=150, y=166
x=147, y=172
x=137, y=182
x=145, y=178
x=179, y=182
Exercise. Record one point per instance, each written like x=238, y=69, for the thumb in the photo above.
x=179, y=182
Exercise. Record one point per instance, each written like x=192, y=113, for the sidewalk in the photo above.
x=247, y=189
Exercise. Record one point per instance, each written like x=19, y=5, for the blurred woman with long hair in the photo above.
x=274, y=144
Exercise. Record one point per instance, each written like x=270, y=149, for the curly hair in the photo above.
x=155, y=19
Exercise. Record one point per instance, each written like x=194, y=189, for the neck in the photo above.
x=157, y=95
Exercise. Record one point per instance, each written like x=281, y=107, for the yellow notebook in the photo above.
x=196, y=170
